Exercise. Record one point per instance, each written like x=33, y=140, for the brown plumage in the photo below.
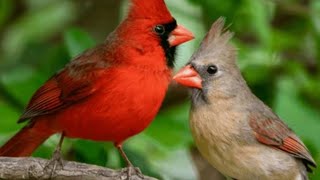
x=235, y=131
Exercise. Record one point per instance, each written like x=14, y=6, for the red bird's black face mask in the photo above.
x=163, y=31
x=172, y=35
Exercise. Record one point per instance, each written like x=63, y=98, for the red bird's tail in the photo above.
x=26, y=141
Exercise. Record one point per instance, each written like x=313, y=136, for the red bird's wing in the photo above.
x=273, y=132
x=72, y=84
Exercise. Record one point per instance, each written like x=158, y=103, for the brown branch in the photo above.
x=33, y=168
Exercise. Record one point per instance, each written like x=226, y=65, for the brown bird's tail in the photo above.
x=26, y=140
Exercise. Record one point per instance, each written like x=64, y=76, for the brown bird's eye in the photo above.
x=159, y=29
x=212, y=69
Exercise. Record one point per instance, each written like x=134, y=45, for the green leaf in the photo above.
x=171, y=127
x=5, y=10
x=77, y=41
x=260, y=19
x=36, y=26
x=8, y=121
x=90, y=152
x=22, y=87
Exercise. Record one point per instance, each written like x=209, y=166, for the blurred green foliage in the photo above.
x=279, y=55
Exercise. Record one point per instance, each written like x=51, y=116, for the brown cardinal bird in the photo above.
x=110, y=92
x=235, y=131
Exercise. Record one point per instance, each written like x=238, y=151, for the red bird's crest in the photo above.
x=145, y=9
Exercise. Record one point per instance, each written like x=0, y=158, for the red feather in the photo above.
x=72, y=84
x=44, y=101
x=156, y=9
x=275, y=133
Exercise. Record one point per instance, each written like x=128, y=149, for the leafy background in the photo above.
x=279, y=55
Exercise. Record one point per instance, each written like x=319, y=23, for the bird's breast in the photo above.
x=225, y=140
x=124, y=104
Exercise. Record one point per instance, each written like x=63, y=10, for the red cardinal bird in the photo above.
x=110, y=92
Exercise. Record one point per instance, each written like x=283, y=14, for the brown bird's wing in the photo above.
x=72, y=84
x=273, y=132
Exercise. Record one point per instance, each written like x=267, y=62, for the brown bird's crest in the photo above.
x=216, y=43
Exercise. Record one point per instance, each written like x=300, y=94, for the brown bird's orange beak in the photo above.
x=180, y=35
x=189, y=77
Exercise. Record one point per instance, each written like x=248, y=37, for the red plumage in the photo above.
x=155, y=9
x=108, y=93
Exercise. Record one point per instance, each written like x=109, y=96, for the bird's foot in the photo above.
x=131, y=173
x=55, y=163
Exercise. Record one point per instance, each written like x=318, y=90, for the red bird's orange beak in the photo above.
x=180, y=35
x=189, y=77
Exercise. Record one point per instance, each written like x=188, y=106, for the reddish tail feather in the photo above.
x=26, y=141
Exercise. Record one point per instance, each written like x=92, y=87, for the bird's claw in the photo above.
x=55, y=163
x=131, y=173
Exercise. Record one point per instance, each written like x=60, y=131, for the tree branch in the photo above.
x=33, y=168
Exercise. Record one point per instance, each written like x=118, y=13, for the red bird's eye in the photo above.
x=159, y=29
